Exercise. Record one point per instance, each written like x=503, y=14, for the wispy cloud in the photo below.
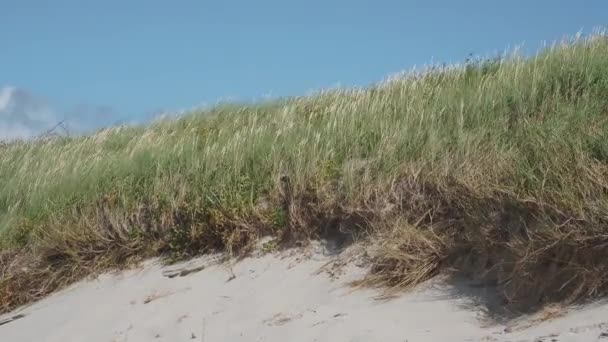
x=25, y=115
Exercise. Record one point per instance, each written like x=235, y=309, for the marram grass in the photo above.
x=496, y=168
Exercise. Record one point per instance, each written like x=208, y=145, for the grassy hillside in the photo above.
x=498, y=169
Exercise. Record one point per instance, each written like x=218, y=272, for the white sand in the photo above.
x=272, y=298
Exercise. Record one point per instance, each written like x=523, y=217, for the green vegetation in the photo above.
x=495, y=168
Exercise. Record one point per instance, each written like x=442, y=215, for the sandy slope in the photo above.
x=274, y=298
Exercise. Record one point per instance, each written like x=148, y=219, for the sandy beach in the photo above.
x=278, y=297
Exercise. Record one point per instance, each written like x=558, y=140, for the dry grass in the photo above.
x=497, y=169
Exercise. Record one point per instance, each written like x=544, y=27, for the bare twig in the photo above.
x=51, y=132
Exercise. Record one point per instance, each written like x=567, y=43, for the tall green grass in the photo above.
x=507, y=141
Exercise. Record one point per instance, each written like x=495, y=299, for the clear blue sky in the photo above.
x=133, y=57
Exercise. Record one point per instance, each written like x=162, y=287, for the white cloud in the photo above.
x=5, y=97
x=25, y=115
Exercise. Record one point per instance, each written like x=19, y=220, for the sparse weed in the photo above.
x=270, y=246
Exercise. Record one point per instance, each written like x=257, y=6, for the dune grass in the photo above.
x=494, y=168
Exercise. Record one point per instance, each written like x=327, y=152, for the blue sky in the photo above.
x=99, y=62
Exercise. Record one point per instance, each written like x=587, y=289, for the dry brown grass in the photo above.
x=535, y=255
